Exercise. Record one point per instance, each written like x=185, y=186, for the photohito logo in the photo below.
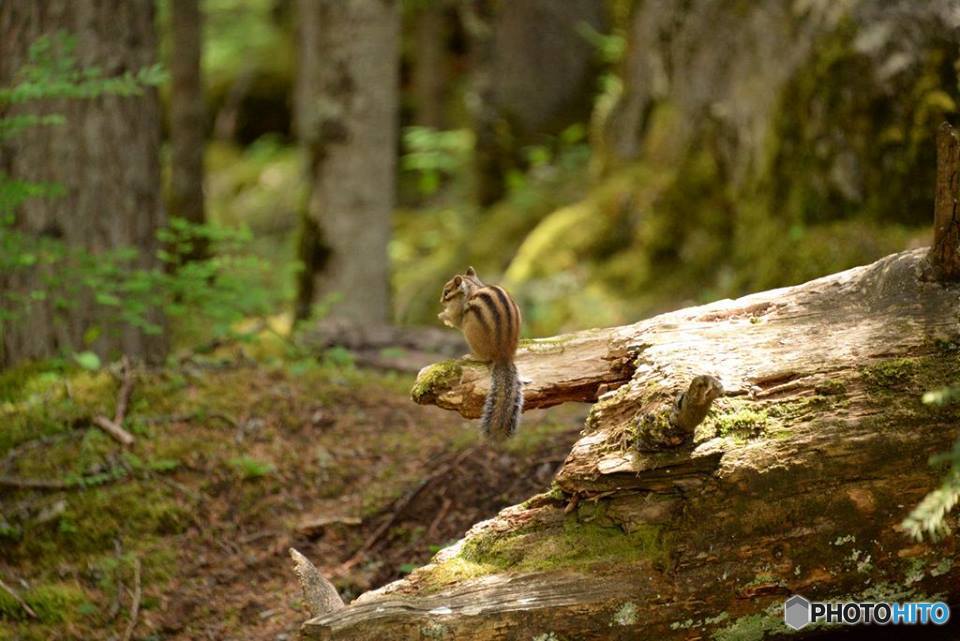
x=798, y=612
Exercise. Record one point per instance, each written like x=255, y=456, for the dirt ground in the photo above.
x=234, y=462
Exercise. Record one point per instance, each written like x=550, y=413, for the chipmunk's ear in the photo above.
x=471, y=272
x=457, y=280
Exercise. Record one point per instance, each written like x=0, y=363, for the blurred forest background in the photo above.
x=179, y=174
x=604, y=159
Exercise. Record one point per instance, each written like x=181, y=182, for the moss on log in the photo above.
x=796, y=483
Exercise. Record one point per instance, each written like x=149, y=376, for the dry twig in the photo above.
x=114, y=430
x=115, y=427
x=34, y=484
x=126, y=389
x=438, y=519
x=16, y=597
x=400, y=505
x=115, y=604
x=135, y=605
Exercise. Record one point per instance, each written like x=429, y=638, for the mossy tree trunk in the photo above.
x=796, y=483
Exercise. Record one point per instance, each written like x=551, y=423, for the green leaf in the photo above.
x=107, y=299
x=92, y=334
x=87, y=360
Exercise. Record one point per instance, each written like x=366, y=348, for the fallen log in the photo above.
x=795, y=483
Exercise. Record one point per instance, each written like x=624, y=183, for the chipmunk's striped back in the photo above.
x=495, y=323
x=490, y=321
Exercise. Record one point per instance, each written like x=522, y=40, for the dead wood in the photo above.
x=16, y=597
x=944, y=254
x=797, y=481
x=319, y=595
x=135, y=602
x=126, y=389
x=119, y=434
x=115, y=427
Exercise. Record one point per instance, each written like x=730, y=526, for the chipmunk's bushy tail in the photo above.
x=501, y=411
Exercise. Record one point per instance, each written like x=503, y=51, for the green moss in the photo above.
x=764, y=578
x=454, y=570
x=17, y=380
x=95, y=517
x=830, y=387
x=41, y=405
x=890, y=373
x=575, y=544
x=570, y=546
x=52, y=603
x=439, y=375
x=741, y=423
x=250, y=468
x=625, y=615
x=753, y=627
x=942, y=567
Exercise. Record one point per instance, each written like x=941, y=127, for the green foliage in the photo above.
x=217, y=291
x=237, y=32
x=250, y=468
x=87, y=360
x=433, y=155
x=610, y=47
x=52, y=603
x=52, y=73
x=929, y=517
x=943, y=396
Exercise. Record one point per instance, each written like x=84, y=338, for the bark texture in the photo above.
x=105, y=157
x=945, y=252
x=796, y=482
x=187, y=115
x=346, y=111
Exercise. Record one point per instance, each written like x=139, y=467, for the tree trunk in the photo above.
x=347, y=103
x=187, y=117
x=105, y=157
x=430, y=77
x=797, y=482
x=525, y=89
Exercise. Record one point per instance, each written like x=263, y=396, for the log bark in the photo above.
x=945, y=253
x=796, y=483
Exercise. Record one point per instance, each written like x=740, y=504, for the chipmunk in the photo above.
x=490, y=321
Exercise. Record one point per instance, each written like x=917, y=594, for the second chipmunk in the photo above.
x=490, y=321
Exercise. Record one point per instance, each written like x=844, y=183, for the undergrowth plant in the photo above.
x=929, y=517
x=217, y=291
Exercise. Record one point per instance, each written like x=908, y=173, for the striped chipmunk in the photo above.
x=490, y=321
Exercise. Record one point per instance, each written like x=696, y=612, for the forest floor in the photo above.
x=235, y=461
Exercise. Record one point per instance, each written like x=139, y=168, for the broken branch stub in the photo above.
x=319, y=595
x=571, y=367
